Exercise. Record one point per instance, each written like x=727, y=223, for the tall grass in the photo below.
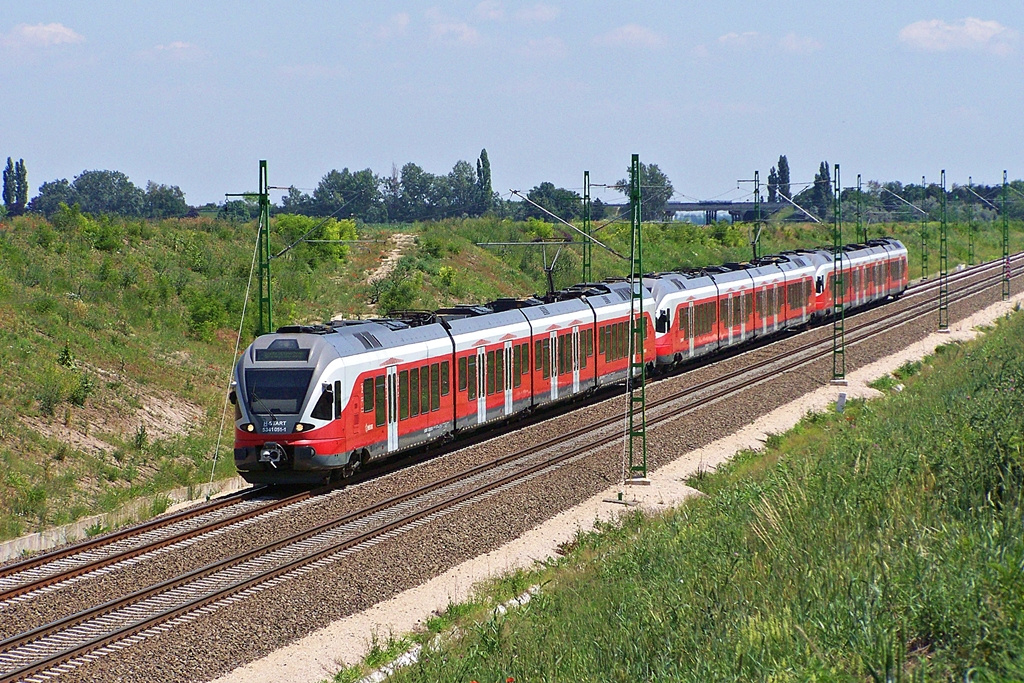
x=883, y=544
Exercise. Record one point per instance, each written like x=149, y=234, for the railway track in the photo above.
x=128, y=620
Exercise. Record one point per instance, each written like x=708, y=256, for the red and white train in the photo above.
x=314, y=402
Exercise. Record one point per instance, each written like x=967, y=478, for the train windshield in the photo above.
x=276, y=391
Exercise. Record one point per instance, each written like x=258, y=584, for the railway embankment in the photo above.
x=880, y=541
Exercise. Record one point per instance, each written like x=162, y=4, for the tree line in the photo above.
x=892, y=200
x=414, y=194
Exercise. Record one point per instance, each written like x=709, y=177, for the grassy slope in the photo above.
x=116, y=337
x=883, y=544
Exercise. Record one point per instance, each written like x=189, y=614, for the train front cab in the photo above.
x=288, y=394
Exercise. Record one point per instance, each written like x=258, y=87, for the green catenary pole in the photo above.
x=637, y=379
x=862, y=229
x=587, y=274
x=970, y=222
x=838, y=289
x=757, y=215
x=924, y=232
x=1006, y=241
x=266, y=316
x=943, y=261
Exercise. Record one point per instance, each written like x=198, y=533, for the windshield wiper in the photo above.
x=253, y=398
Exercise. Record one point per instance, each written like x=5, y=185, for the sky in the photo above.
x=195, y=94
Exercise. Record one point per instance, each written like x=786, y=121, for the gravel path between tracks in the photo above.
x=368, y=589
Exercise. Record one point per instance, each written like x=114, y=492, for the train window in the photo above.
x=445, y=388
x=537, y=365
x=380, y=404
x=600, y=339
x=463, y=381
x=471, y=377
x=337, y=399
x=368, y=395
x=435, y=387
x=324, y=408
x=424, y=388
x=517, y=362
x=414, y=393
x=561, y=354
x=491, y=373
x=545, y=358
x=499, y=371
x=590, y=341
x=403, y=395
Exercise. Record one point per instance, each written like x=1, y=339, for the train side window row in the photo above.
x=613, y=340
x=419, y=392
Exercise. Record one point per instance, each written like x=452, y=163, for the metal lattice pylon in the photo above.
x=637, y=377
x=943, y=262
x=1006, y=242
x=587, y=245
x=838, y=288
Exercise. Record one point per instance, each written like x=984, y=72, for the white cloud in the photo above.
x=310, y=72
x=740, y=40
x=538, y=14
x=396, y=26
x=549, y=47
x=799, y=45
x=40, y=36
x=489, y=10
x=631, y=35
x=935, y=35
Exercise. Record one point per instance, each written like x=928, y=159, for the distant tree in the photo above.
x=10, y=187
x=342, y=193
x=784, y=189
x=655, y=191
x=20, y=187
x=417, y=190
x=463, y=191
x=598, y=210
x=391, y=194
x=108, y=192
x=564, y=203
x=823, y=196
x=164, y=201
x=51, y=195
x=296, y=202
x=773, y=186
x=485, y=192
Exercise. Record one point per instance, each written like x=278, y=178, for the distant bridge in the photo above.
x=739, y=211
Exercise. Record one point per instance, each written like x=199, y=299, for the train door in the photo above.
x=729, y=319
x=688, y=339
x=481, y=385
x=391, y=387
x=508, y=378
x=744, y=313
x=576, y=359
x=553, y=364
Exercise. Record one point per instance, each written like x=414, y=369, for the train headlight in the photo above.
x=303, y=427
x=299, y=427
x=250, y=427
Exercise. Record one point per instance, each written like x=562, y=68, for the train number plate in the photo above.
x=275, y=427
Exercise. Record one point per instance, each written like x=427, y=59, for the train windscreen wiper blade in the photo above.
x=253, y=398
